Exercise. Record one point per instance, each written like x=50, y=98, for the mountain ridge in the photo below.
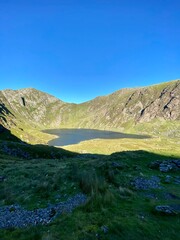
x=125, y=109
x=99, y=96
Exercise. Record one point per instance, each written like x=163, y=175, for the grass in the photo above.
x=37, y=175
x=104, y=176
x=160, y=145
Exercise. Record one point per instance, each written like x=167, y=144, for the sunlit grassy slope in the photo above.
x=165, y=146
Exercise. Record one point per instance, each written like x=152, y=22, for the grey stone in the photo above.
x=168, y=179
x=18, y=217
x=164, y=167
x=167, y=166
x=105, y=229
x=168, y=209
x=177, y=180
x=176, y=162
x=141, y=183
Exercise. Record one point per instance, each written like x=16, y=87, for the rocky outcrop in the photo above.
x=166, y=166
x=168, y=210
x=17, y=217
x=32, y=105
x=141, y=183
x=128, y=107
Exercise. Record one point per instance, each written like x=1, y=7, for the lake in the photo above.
x=75, y=136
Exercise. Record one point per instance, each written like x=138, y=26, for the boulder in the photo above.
x=177, y=180
x=176, y=162
x=168, y=209
x=168, y=179
x=167, y=166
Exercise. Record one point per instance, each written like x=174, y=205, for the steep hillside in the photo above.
x=127, y=109
x=32, y=105
x=154, y=109
x=138, y=105
x=28, y=110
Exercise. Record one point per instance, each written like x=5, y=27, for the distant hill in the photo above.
x=153, y=109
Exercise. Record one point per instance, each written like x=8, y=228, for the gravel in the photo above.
x=14, y=216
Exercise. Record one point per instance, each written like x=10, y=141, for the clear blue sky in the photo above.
x=77, y=50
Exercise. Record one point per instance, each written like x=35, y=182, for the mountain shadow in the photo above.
x=4, y=111
x=13, y=146
x=6, y=135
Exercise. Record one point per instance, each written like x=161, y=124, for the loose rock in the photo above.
x=141, y=183
x=105, y=229
x=177, y=180
x=165, y=166
x=17, y=217
x=168, y=179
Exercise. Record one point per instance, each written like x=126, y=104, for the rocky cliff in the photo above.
x=125, y=106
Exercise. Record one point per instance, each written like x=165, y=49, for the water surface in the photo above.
x=75, y=136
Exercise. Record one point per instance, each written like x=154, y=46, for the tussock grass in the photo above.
x=125, y=192
x=91, y=183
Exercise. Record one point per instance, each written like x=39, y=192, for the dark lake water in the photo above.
x=75, y=136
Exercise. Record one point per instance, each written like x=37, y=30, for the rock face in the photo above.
x=126, y=107
x=30, y=104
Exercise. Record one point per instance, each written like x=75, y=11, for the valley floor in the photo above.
x=165, y=146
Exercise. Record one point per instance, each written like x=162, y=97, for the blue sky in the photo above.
x=77, y=50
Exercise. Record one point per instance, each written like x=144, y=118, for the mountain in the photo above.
x=125, y=106
x=129, y=187
x=27, y=110
x=155, y=108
